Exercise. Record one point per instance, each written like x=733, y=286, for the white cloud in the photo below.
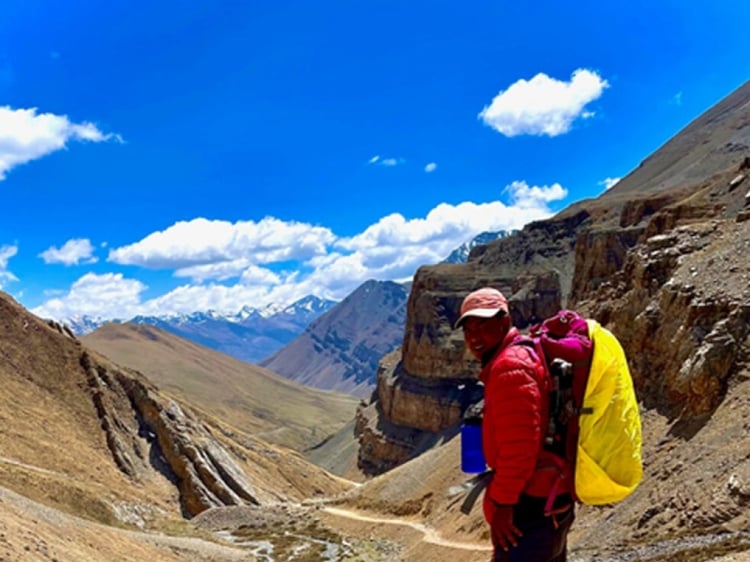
x=431, y=167
x=246, y=252
x=535, y=197
x=394, y=247
x=222, y=271
x=26, y=135
x=387, y=162
x=191, y=298
x=608, y=183
x=543, y=105
x=73, y=252
x=390, y=162
x=203, y=242
x=676, y=99
x=6, y=252
x=109, y=295
x=446, y=224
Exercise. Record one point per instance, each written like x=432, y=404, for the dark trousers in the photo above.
x=545, y=537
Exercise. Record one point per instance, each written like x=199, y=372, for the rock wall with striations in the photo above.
x=181, y=445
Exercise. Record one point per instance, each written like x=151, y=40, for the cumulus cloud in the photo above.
x=431, y=167
x=222, y=271
x=543, y=105
x=108, y=295
x=26, y=135
x=73, y=252
x=6, y=252
x=213, y=296
x=231, y=265
x=112, y=296
x=394, y=247
x=608, y=183
x=203, y=242
x=533, y=197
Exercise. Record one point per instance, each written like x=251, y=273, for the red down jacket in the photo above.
x=516, y=404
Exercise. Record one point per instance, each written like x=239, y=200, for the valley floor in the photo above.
x=31, y=531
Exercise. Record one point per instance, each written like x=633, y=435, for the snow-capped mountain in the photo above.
x=81, y=325
x=461, y=254
x=251, y=334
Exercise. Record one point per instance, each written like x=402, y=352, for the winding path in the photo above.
x=430, y=535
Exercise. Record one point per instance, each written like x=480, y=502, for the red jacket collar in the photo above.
x=492, y=354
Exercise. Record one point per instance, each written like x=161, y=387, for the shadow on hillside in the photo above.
x=686, y=429
x=155, y=455
x=429, y=441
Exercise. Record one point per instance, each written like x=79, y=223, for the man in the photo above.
x=527, y=503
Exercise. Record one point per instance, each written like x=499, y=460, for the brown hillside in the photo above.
x=87, y=443
x=245, y=396
x=708, y=148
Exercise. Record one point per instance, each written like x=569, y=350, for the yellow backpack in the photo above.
x=608, y=462
x=595, y=423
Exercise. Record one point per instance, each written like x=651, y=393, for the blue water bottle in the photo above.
x=472, y=456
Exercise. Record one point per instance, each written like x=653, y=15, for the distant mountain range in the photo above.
x=252, y=334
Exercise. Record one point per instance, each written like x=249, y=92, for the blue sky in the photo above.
x=162, y=157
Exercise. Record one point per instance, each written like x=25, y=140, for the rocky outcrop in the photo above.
x=680, y=307
x=599, y=255
x=408, y=414
x=179, y=444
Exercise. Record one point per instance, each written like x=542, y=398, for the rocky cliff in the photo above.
x=663, y=260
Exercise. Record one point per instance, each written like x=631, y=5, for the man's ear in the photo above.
x=506, y=322
x=502, y=324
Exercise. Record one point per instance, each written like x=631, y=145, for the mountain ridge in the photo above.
x=340, y=350
x=251, y=334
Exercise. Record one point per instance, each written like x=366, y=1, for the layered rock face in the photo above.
x=662, y=259
x=681, y=308
x=178, y=442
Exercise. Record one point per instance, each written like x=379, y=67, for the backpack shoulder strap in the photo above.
x=532, y=343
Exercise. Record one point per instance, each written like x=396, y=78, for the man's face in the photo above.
x=482, y=334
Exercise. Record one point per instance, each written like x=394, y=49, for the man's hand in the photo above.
x=504, y=533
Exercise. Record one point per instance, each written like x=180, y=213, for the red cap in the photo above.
x=484, y=303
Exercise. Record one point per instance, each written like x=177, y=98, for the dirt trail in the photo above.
x=430, y=535
x=6, y=460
